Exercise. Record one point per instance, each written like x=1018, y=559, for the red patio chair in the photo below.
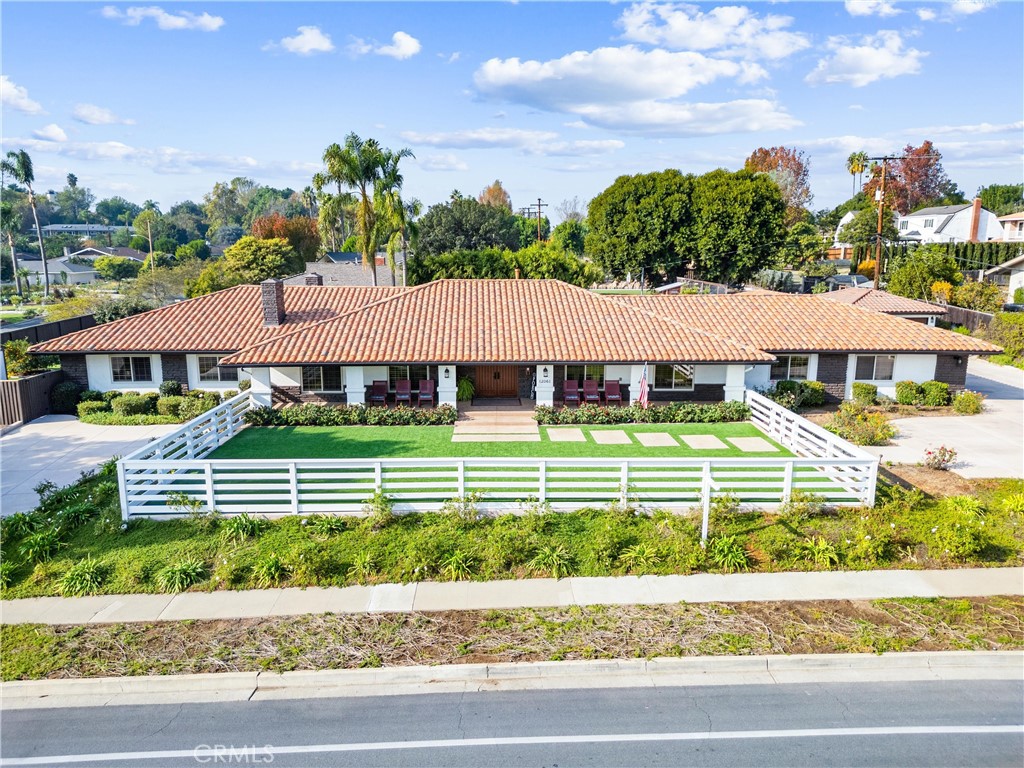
x=571, y=393
x=403, y=392
x=612, y=393
x=379, y=393
x=426, y=394
x=591, y=393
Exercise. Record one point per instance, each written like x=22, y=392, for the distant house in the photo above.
x=839, y=282
x=62, y=271
x=888, y=304
x=82, y=230
x=1013, y=227
x=1009, y=274
x=966, y=223
x=346, y=268
x=93, y=253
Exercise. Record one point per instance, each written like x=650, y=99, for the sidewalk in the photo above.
x=526, y=593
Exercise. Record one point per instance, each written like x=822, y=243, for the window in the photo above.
x=131, y=369
x=210, y=371
x=673, y=377
x=322, y=378
x=790, y=367
x=904, y=226
x=414, y=373
x=929, y=223
x=583, y=372
x=874, y=367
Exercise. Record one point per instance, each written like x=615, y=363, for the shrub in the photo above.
x=801, y=507
x=145, y=419
x=959, y=531
x=936, y=393
x=84, y=577
x=181, y=575
x=270, y=570
x=195, y=405
x=795, y=395
x=64, y=397
x=7, y=569
x=639, y=557
x=91, y=394
x=170, y=388
x=1018, y=295
x=19, y=362
x=669, y=413
x=244, y=526
x=465, y=389
x=464, y=508
x=379, y=511
x=131, y=405
x=313, y=415
x=968, y=403
x=1007, y=330
x=852, y=422
x=940, y=458
x=554, y=560
x=170, y=405
x=908, y=393
x=728, y=554
x=981, y=297
x=39, y=546
x=17, y=526
x=88, y=407
x=244, y=384
x=458, y=565
x=864, y=393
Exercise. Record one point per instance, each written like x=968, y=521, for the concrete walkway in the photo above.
x=526, y=593
x=59, y=449
x=988, y=445
x=499, y=423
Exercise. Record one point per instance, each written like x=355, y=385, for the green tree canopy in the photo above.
x=463, y=224
x=570, y=236
x=197, y=249
x=527, y=226
x=256, y=260
x=864, y=227
x=913, y=275
x=539, y=261
x=1002, y=199
x=116, y=210
x=116, y=267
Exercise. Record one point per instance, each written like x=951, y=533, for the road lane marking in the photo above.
x=221, y=754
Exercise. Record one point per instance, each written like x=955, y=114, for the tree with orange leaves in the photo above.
x=789, y=169
x=914, y=180
x=301, y=233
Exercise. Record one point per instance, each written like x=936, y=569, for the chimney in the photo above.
x=975, y=220
x=272, y=300
x=67, y=251
x=517, y=273
x=312, y=278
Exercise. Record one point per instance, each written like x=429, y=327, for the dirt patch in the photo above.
x=935, y=482
x=461, y=637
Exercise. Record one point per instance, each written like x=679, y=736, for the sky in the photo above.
x=555, y=99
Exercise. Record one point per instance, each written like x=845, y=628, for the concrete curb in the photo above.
x=545, y=675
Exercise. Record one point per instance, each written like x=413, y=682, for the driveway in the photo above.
x=988, y=445
x=59, y=449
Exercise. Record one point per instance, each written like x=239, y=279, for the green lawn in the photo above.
x=436, y=442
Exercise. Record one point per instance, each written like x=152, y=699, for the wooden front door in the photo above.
x=497, y=381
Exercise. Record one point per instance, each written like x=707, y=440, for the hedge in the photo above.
x=670, y=413
x=314, y=415
x=64, y=397
x=196, y=403
x=795, y=395
x=88, y=407
x=908, y=393
x=936, y=393
x=132, y=405
x=864, y=393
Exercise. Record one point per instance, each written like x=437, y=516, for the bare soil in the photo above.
x=936, y=483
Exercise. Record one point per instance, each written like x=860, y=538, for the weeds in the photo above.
x=179, y=576
x=639, y=557
x=84, y=577
x=458, y=566
x=379, y=511
x=270, y=570
x=555, y=561
x=728, y=553
x=244, y=526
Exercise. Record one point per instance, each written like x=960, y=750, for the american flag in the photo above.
x=642, y=394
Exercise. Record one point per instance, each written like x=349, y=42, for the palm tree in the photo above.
x=392, y=214
x=19, y=165
x=856, y=164
x=9, y=224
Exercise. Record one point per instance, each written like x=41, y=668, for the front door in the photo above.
x=497, y=381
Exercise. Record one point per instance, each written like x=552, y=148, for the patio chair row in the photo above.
x=591, y=393
x=425, y=395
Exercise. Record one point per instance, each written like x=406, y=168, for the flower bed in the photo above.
x=670, y=413
x=312, y=415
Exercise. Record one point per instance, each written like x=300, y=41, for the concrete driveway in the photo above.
x=59, y=449
x=988, y=445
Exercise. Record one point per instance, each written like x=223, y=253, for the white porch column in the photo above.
x=546, y=385
x=735, y=382
x=355, y=385
x=636, y=372
x=446, y=382
x=259, y=390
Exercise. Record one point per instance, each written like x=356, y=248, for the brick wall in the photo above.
x=295, y=396
x=175, y=368
x=526, y=381
x=75, y=370
x=832, y=373
x=947, y=370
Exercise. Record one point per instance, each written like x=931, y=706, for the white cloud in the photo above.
x=403, y=46
x=696, y=119
x=876, y=57
x=530, y=142
x=586, y=148
x=16, y=97
x=51, y=132
x=968, y=7
x=972, y=128
x=856, y=107
x=731, y=30
x=308, y=41
x=447, y=162
x=871, y=8
x=93, y=115
x=926, y=14
x=179, y=20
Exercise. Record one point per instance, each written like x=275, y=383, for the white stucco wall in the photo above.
x=617, y=372
x=917, y=368
x=192, y=365
x=286, y=377
x=101, y=377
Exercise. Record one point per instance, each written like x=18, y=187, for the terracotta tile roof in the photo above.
x=479, y=321
x=225, y=321
x=781, y=322
x=883, y=301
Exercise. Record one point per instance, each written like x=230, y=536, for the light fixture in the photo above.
x=544, y=372
x=958, y=360
x=447, y=373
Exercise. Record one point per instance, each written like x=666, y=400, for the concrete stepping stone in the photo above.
x=704, y=442
x=610, y=437
x=509, y=429
x=752, y=444
x=483, y=438
x=567, y=435
x=656, y=440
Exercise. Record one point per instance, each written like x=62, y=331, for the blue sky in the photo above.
x=555, y=99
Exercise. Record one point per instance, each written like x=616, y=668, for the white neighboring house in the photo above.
x=967, y=223
x=1013, y=227
x=1009, y=274
x=62, y=271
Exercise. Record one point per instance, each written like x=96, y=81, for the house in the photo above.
x=841, y=282
x=1009, y=274
x=513, y=338
x=966, y=223
x=92, y=253
x=349, y=272
x=888, y=303
x=1013, y=227
x=63, y=271
x=83, y=230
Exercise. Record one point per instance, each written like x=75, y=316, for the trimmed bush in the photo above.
x=864, y=393
x=131, y=405
x=64, y=397
x=669, y=413
x=313, y=415
x=936, y=393
x=1007, y=330
x=1018, y=295
x=106, y=418
x=195, y=405
x=244, y=384
x=853, y=423
x=908, y=393
x=170, y=388
x=87, y=407
x=170, y=406
x=968, y=403
x=91, y=394
x=795, y=395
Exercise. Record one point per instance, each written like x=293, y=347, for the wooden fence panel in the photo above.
x=35, y=334
x=22, y=400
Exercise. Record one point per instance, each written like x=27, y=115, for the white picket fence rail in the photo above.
x=833, y=469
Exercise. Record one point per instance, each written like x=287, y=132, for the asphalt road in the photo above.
x=859, y=724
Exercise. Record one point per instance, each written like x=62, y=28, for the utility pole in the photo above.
x=152, y=259
x=529, y=211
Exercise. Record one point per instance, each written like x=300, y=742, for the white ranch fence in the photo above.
x=831, y=468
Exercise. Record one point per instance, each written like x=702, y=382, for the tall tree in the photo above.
x=19, y=166
x=74, y=202
x=495, y=195
x=9, y=225
x=571, y=209
x=300, y=233
x=856, y=164
x=117, y=210
x=790, y=170
x=1002, y=199
x=914, y=180
x=463, y=224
